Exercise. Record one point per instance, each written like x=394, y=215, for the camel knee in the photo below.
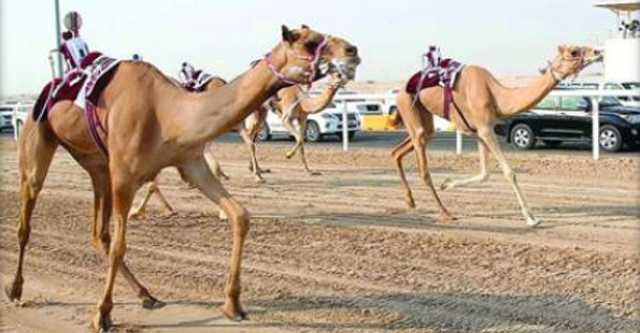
x=241, y=221
x=24, y=231
x=509, y=175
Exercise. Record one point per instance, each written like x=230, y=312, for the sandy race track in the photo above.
x=341, y=253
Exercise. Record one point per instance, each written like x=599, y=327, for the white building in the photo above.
x=622, y=52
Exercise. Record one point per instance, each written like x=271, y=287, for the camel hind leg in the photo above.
x=399, y=152
x=36, y=149
x=152, y=188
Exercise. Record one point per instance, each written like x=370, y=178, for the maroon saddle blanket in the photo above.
x=69, y=87
x=443, y=74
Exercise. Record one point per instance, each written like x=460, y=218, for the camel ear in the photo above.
x=289, y=36
x=304, y=26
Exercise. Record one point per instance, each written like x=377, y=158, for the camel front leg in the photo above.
x=398, y=153
x=197, y=173
x=214, y=165
x=482, y=177
x=257, y=173
x=102, y=239
x=296, y=131
x=123, y=192
x=35, y=155
x=303, y=158
x=141, y=209
x=489, y=138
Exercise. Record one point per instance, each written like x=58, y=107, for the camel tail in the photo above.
x=395, y=120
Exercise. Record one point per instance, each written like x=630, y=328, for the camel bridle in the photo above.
x=312, y=71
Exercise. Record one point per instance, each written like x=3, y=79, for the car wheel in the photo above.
x=610, y=139
x=393, y=110
x=312, y=132
x=264, y=134
x=522, y=137
x=552, y=143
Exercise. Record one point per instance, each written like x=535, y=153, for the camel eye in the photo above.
x=575, y=53
x=311, y=46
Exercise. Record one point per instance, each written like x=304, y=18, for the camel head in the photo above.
x=573, y=59
x=310, y=55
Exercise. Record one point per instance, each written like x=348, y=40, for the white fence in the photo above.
x=594, y=94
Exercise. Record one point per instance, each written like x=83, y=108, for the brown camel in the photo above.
x=480, y=101
x=152, y=124
x=248, y=130
x=294, y=106
x=293, y=109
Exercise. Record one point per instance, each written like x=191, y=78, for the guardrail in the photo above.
x=594, y=94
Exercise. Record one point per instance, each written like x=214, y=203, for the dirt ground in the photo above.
x=341, y=253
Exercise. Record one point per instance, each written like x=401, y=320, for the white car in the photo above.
x=319, y=125
x=19, y=117
x=6, y=113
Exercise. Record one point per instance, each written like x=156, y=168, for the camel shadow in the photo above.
x=467, y=312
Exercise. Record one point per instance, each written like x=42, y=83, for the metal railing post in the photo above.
x=458, y=142
x=345, y=127
x=595, y=127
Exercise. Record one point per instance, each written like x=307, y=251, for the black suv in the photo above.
x=568, y=119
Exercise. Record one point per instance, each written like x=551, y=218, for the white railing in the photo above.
x=594, y=94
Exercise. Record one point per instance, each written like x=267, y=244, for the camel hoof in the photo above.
x=289, y=155
x=151, y=303
x=315, y=173
x=234, y=314
x=102, y=324
x=265, y=170
x=532, y=221
x=14, y=292
x=410, y=203
x=446, y=184
x=137, y=215
x=260, y=180
x=447, y=217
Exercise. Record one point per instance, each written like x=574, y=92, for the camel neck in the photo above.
x=318, y=103
x=512, y=101
x=211, y=114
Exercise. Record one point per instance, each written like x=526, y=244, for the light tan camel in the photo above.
x=482, y=100
x=292, y=107
x=153, y=124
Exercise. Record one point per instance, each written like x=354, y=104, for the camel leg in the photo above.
x=123, y=192
x=420, y=144
x=35, y=154
x=296, y=131
x=482, y=177
x=252, y=155
x=141, y=209
x=197, y=173
x=398, y=153
x=102, y=239
x=489, y=138
x=214, y=165
x=303, y=157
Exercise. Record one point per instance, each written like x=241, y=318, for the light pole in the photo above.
x=58, y=34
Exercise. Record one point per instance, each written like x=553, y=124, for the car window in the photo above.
x=5, y=109
x=573, y=103
x=612, y=86
x=548, y=103
x=631, y=85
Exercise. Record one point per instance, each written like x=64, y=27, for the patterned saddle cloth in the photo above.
x=79, y=85
x=436, y=72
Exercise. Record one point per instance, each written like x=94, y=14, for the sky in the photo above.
x=222, y=36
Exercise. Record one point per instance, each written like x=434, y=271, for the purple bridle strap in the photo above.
x=313, y=64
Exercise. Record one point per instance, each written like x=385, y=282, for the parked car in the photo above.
x=6, y=113
x=319, y=125
x=569, y=119
x=19, y=117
